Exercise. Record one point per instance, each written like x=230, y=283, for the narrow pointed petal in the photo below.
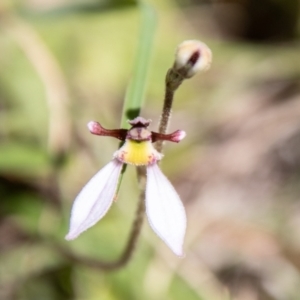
x=97, y=129
x=165, y=211
x=175, y=137
x=95, y=199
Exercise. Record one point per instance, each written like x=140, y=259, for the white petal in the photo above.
x=165, y=210
x=95, y=199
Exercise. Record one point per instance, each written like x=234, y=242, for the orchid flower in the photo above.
x=164, y=208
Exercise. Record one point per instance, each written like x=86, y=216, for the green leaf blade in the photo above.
x=136, y=90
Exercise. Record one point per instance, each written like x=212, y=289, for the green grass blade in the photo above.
x=137, y=86
x=136, y=89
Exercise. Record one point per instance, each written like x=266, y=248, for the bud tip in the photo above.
x=194, y=56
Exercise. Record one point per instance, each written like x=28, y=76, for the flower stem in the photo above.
x=172, y=82
x=135, y=232
x=126, y=254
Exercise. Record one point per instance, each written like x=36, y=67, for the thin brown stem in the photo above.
x=126, y=254
x=174, y=78
x=166, y=113
x=135, y=231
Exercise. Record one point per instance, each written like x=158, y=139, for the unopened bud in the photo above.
x=192, y=56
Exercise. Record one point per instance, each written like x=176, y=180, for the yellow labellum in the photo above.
x=137, y=153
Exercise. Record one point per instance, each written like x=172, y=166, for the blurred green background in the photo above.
x=64, y=63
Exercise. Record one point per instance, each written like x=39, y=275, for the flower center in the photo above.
x=137, y=153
